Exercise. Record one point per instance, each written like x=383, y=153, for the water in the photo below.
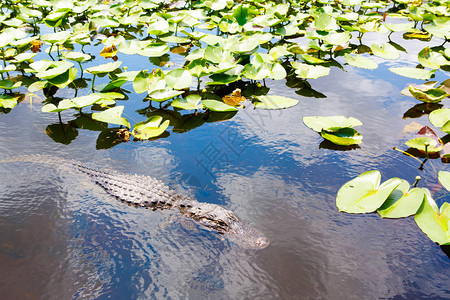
x=62, y=237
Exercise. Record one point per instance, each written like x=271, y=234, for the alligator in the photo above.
x=147, y=192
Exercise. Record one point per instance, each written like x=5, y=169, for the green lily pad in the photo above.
x=432, y=59
x=64, y=104
x=274, y=102
x=308, y=71
x=105, y=68
x=429, y=95
x=112, y=116
x=64, y=79
x=164, y=94
x=24, y=57
x=190, y=102
x=330, y=123
x=434, y=222
x=178, y=79
x=154, y=50
x=386, y=51
x=54, y=69
x=7, y=101
x=444, y=179
x=9, y=85
x=399, y=26
x=439, y=117
x=364, y=193
x=215, y=105
x=412, y=72
x=402, y=202
x=76, y=56
x=58, y=37
x=150, y=128
x=360, y=61
x=343, y=136
x=421, y=142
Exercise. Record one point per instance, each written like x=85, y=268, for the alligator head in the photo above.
x=246, y=235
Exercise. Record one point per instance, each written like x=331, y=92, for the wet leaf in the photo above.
x=178, y=79
x=386, y=51
x=412, y=72
x=105, y=68
x=190, y=102
x=330, y=123
x=343, y=136
x=402, y=202
x=274, y=102
x=364, y=193
x=439, y=117
x=444, y=179
x=432, y=59
x=64, y=104
x=234, y=99
x=112, y=116
x=429, y=95
x=163, y=94
x=421, y=143
x=215, y=105
x=7, y=101
x=434, y=222
x=308, y=71
x=360, y=61
x=150, y=128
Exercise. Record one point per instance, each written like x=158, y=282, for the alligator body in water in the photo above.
x=148, y=192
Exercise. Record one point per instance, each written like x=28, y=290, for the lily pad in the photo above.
x=386, y=51
x=434, y=222
x=439, y=117
x=360, y=61
x=164, y=94
x=427, y=95
x=308, y=71
x=112, y=116
x=421, y=143
x=7, y=101
x=274, y=102
x=178, y=79
x=343, y=136
x=215, y=105
x=402, y=202
x=105, y=68
x=364, y=193
x=64, y=104
x=150, y=128
x=431, y=59
x=412, y=72
x=330, y=123
x=444, y=179
x=190, y=102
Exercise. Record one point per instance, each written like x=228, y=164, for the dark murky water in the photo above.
x=62, y=237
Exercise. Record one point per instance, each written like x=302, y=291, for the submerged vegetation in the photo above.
x=209, y=59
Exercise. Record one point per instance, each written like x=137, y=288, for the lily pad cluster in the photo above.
x=395, y=198
x=337, y=129
x=222, y=45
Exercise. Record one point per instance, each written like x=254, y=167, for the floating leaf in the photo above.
x=432, y=59
x=399, y=26
x=428, y=95
x=386, y=51
x=360, y=61
x=330, y=123
x=9, y=85
x=105, y=68
x=164, y=94
x=178, y=79
x=343, y=136
x=54, y=69
x=412, y=72
x=64, y=104
x=364, y=193
x=421, y=143
x=190, y=102
x=274, y=102
x=112, y=116
x=444, y=179
x=434, y=222
x=7, y=101
x=402, y=202
x=150, y=128
x=439, y=117
x=215, y=105
x=234, y=99
x=308, y=71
